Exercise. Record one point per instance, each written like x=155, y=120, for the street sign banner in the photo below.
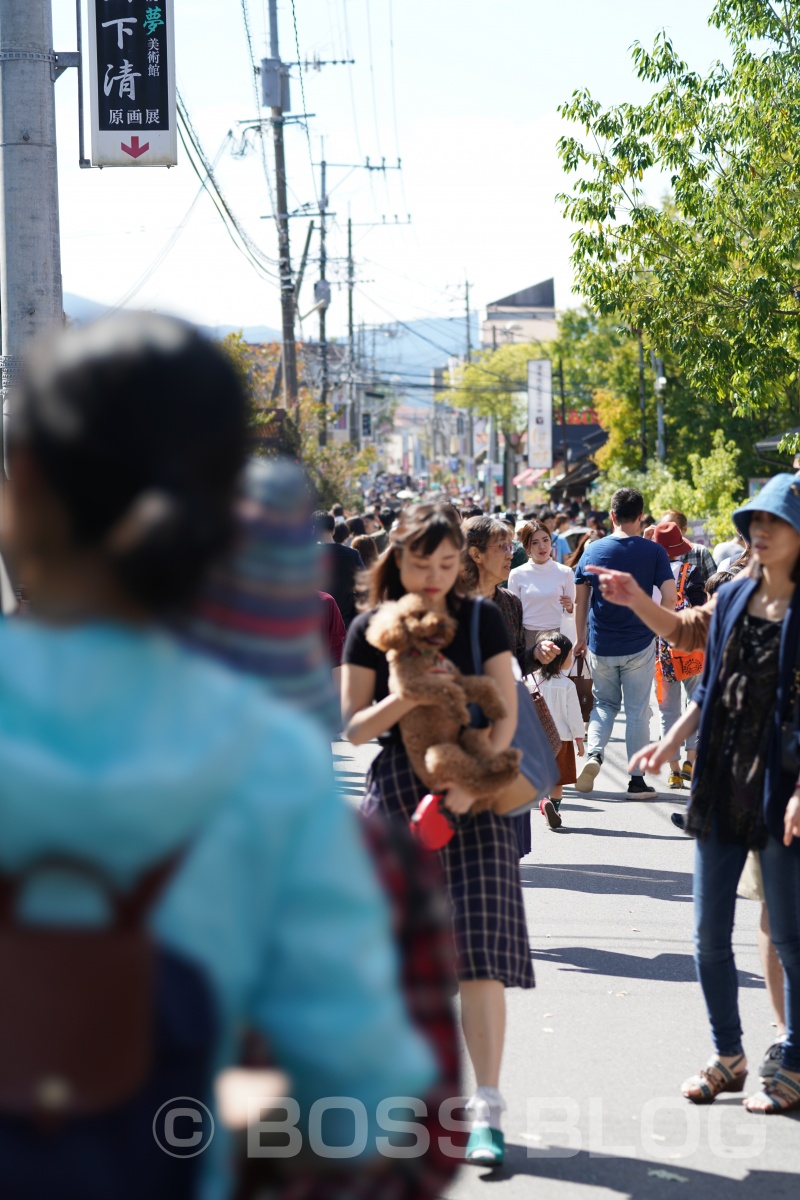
x=540, y=414
x=132, y=74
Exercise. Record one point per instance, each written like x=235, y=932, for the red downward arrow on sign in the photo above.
x=135, y=150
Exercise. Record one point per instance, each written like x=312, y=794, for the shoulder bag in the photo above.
x=583, y=686
x=538, y=771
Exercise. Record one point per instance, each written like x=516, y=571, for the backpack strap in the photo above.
x=129, y=908
x=475, y=636
x=682, y=577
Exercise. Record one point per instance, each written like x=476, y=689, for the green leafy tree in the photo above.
x=334, y=469
x=712, y=276
x=710, y=491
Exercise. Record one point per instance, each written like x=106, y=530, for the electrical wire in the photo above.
x=350, y=79
x=245, y=244
x=171, y=241
x=257, y=98
x=374, y=94
x=305, y=106
x=394, y=103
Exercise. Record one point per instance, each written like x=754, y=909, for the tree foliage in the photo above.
x=711, y=489
x=712, y=276
x=334, y=469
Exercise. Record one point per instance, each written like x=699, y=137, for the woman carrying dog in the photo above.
x=480, y=863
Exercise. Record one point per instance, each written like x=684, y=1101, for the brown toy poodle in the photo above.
x=437, y=736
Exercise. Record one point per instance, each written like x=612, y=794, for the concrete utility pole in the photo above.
x=30, y=249
x=289, y=356
x=468, y=360
x=323, y=299
x=642, y=402
x=355, y=415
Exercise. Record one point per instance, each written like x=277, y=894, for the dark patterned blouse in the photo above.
x=511, y=611
x=731, y=787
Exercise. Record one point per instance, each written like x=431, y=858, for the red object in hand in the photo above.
x=431, y=824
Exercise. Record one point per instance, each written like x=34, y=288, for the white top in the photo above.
x=561, y=696
x=539, y=586
x=725, y=550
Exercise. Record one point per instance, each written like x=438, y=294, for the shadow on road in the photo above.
x=639, y=1179
x=628, y=833
x=664, y=968
x=610, y=880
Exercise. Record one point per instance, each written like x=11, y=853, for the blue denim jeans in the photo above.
x=716, y=876
x=670, y=705
x=717, y=868
x=780, y=866
x=628, y=678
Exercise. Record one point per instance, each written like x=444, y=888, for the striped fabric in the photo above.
x=261, y=612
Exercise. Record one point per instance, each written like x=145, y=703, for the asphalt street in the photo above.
x=595, y=1055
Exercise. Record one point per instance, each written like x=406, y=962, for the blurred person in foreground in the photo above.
x=121, y=751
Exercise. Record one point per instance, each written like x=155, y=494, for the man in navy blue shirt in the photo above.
x=622, y=649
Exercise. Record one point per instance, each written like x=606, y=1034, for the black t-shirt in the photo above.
x=342, y=564
x=492, y=633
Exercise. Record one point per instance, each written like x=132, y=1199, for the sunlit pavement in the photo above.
x=596, y=1053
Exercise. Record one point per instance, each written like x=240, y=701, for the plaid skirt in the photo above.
x=481, y=871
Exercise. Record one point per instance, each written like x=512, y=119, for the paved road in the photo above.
x=595, y=1054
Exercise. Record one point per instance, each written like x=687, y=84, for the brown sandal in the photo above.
x=782, y=1092
x=712, y=1080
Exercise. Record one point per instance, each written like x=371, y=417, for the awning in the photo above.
x=530, y=477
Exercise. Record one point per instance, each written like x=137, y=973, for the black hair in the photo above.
x=626, y=505
x=340, y=532
x=471, y=511
x=551, y=669
x=546, y=514
x=322, y=522
x=138, y=424
x=715, y=581
x=356, y=526
x=337, y=510
x=421, y=529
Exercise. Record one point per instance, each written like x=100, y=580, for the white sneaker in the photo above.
x=585, y=781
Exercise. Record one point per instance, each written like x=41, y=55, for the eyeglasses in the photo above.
x=506, y=547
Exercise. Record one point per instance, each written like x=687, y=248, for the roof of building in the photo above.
x=541, y=295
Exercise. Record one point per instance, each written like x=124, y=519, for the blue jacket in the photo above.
x=118, y=747
x=732, y=602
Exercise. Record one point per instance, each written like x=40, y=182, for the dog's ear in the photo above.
x=386, y=629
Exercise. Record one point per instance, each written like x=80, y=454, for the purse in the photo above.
x=583, y=686
x=538, y=771
x=546, y=717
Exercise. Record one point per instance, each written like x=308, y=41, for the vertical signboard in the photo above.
x=540, y=414
x=132, y=74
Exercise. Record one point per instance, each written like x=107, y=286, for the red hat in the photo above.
x=668, y=535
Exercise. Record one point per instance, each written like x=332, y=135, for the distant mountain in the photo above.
x=405, y=352
x=79, y=309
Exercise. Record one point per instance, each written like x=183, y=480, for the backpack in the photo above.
x=99, y=1028
x=674, y=666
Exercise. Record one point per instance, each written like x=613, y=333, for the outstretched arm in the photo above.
x=620, y=588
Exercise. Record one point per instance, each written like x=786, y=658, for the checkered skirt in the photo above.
x=481, y=869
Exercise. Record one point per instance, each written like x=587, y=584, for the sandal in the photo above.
x=782, y=1093
x=712, y=1080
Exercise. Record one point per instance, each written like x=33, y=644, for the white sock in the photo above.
x=487, y=1107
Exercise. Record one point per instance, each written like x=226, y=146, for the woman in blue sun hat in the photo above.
x=743, y=795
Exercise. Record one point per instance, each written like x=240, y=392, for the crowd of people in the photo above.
x=184, y=898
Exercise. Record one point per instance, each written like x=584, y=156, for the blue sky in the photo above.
x=470, y=107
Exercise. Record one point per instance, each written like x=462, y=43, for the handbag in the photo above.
x=538, y=771
x=545, y=716
x=583, y=686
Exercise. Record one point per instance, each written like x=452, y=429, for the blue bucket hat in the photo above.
x=779, y=496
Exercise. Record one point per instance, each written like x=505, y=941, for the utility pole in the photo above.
x=289, y=356
x=322, y=296
x=643, y=438
x=564, y=442
x=355, y=415
x=30, y=246
x=468, y=360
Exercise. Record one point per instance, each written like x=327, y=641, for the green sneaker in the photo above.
x=486, y=1147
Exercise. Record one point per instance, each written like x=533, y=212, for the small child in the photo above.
x=561, y=696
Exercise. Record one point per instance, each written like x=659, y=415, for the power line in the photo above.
x=303, y=98
x=257, y=98
x=394, y=99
